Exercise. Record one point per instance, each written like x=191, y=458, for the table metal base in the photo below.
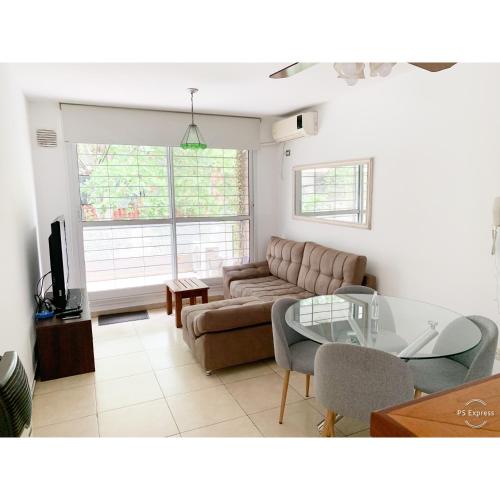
x=321, y=424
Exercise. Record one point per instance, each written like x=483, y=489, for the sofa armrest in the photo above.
x=233, y=317
x=242, y=272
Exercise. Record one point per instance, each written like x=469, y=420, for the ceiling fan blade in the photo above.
x=434, y=67
x=291, y=70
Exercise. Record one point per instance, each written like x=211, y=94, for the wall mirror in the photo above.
x=335, y=192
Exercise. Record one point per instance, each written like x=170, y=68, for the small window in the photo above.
x=336, y=193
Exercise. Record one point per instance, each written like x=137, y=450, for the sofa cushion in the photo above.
x=225, y=315
x=242, y=272
x=323, y=269
x=267, y=288
x=284, y=258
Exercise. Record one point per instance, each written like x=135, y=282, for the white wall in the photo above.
x=435, y=141
x=266, y=190
x=18, y=251
x=52, y=184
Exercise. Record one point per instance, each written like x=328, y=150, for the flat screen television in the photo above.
x=59, y=262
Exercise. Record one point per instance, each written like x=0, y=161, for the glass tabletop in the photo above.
x=407, y=328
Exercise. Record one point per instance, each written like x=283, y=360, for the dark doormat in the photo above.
x=110, y=319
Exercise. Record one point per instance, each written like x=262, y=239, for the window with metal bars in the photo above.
x=154, y=213
x=338, y=193
x=325, y=310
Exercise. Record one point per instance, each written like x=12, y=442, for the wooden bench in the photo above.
x=183, y=289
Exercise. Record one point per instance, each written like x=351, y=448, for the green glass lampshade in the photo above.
x=193, y=139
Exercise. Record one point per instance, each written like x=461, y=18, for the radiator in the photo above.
x=15, y=396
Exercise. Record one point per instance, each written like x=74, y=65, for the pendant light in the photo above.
x=192, y=138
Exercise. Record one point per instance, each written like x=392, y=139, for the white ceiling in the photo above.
x=228, y=88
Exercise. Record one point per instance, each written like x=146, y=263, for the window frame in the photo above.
x=78, y=224
x=297, y=192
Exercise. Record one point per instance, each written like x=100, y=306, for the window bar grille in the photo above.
x=173, y=230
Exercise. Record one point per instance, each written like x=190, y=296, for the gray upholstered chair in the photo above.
x=353, y=381
x=292, y=351
x=355, y=289
x=439, y=374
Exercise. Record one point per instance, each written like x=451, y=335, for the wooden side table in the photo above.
x=182, y=289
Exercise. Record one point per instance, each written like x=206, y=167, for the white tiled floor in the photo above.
x=148, y=384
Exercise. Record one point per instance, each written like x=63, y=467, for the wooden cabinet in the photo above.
x=65, y=348
x=471, y=410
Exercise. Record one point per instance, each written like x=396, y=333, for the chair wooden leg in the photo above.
x=286, y=379
x=329, y=427
x=308, y=381
x=326, y=425
x=333, y=418
x=417, y=394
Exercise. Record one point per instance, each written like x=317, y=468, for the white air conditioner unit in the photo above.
x=301, y=125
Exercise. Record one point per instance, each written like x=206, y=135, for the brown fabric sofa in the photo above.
x=238, y=329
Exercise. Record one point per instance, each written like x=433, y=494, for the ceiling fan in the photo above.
x=353, y=72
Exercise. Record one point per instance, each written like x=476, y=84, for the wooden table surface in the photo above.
x=186, y=285
x=452, y=413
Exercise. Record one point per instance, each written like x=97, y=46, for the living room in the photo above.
x=250, y=249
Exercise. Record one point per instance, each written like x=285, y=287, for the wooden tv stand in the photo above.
x=65, y=348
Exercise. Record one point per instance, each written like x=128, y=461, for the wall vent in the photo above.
x=46, y=138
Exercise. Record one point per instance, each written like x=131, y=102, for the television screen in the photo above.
x=59, y=262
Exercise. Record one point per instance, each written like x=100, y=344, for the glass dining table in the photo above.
x=406, y=328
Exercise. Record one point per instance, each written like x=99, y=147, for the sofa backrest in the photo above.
x=284, y=258
x=324, y=269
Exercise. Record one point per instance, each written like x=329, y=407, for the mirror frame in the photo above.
x=335, y=164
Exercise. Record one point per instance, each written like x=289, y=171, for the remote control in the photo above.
x=65, y=318
x=71, y=312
